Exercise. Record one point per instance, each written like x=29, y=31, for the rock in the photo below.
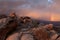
x=13, y=37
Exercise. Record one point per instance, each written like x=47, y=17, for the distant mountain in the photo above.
x=55, y=23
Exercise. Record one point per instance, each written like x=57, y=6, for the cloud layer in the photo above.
x=39, y=9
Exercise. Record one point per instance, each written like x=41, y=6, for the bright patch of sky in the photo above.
x=50, y=1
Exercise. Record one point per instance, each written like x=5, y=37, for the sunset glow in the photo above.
x=39, y=9
x=55, y=17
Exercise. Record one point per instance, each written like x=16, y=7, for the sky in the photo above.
x=39, y=9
